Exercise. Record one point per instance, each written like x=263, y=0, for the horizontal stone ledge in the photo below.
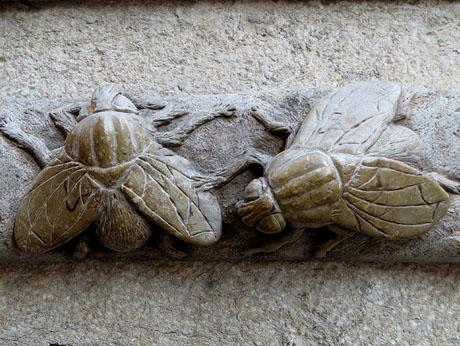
x=36, y=4
x=433, y=115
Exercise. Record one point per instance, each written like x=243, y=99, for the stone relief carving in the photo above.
x=112, y=171
x=346, y=166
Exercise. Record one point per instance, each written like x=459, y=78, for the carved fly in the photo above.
x=343, y=169
x=114, y=173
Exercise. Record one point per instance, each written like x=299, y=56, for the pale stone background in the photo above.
x=65, y=49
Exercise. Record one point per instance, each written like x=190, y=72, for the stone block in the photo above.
x=433, y=115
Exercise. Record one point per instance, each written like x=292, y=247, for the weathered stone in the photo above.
x=345, y=168
x=277, y=303
x=221, y=141
x=67, y=48
x=112, y=172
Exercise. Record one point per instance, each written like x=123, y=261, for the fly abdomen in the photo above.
x=119, y=225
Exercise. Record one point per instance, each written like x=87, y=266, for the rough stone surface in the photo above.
x=433, y=115
x=98, y=303
x=64, y=49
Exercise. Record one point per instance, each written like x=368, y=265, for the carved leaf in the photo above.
x=161, y=185
x=387, y=198
x=61, y=203
x=351, y=119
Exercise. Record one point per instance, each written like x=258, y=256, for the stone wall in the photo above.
x=119, y=303
x=65, y=49
x=62, y=49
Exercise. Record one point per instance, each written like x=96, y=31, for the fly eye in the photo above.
x=254, y=190
x=252, y=193
x=122, y=104
x=250, y=198
x=86, y=111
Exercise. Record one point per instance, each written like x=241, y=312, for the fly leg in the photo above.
x=263, y=116
x=29, y=143
x=289, y=238
x=449, y=185
x=167, y=246
x=64, y=118
x=342, y=235
x=177, y=136
x=224, y=176
x=165, y=115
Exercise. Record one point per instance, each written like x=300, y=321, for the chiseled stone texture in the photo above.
x=98, y=303
x=64, y=49
x=434, y=116
x=60, y=49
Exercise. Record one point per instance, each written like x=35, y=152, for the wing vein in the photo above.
x=172, y=202
x=180, y=189
x=140, y=200
x=52, y=177
x=421, y=195
x=156, y=158
x=67, y=197
x=386, y=188
x=361, y=211
x=345, y=133
x=42, y=208
x=83, y=209
x=350, y=191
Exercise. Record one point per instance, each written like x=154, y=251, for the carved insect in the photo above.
x=343, y=170
x=112, y=172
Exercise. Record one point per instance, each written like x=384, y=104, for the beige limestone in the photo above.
x=144, y=303
x=432, y=116
x=64, y=49
x=205, y=47
x=323, y=177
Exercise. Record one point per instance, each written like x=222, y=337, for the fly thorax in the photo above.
x=260, y=209
x=106, y=139
x=307, y=186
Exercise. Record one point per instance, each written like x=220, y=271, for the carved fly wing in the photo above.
x=351, y=119
x=399, y=143
x=161, y=185
x=386, y=198
x=61, y=203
